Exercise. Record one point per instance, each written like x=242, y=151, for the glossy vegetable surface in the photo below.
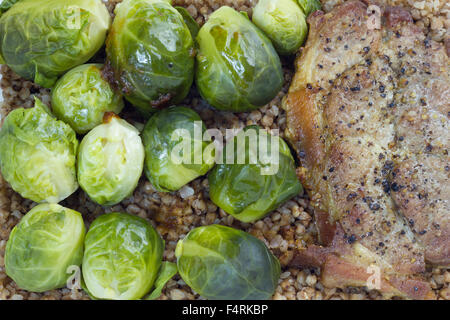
x=238, y=68
x=110, y=161
x=222, y=263
x=81, y=98
x=38, y=154
x=168, y=271
x=252, y=182
x=42, y=39
x=41, y=248
x=122, y=257
x=174, y=154
x=151, y=54
x=283, y=21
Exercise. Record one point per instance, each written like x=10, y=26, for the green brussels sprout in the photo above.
x=81, y=98
x=122, y=257
x=43, y=246
x=193, y=26
x=175, y=150
x=309, y=6
x=42, y=39
x=6, y=4
x=222, y=263
x=283, y=22
x=238, y=68
x=38, y=154
x=110, y=161
x=150, y=53
x=253, y=180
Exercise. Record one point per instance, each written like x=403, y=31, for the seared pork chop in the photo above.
x=368, y=114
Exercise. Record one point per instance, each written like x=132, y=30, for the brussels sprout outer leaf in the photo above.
x=81, y=98
x=193, y=26
x=122, y=257
x=243, y=191
x=151, y=53
x=284, y=22
x=222, y=263
x=163, y=173
x=237, y=67
x=41, y=39
x=309, y=6
x=168, y=270
x=6, y=4
x=46, y=242
x=110, y=161
x=38, y=154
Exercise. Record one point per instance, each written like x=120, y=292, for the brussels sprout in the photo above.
x=110, y=161
x=222, y=263
x=175, y=151
x=38, y=154
x=41, y=248
x=238, y=68
x=283, y=22
x=166, y=272
x=41, y=39
x=190, y=22
x=309, y=6
x=151, y=54
x=81, y=98
x=253, y=181
x=122, y=257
